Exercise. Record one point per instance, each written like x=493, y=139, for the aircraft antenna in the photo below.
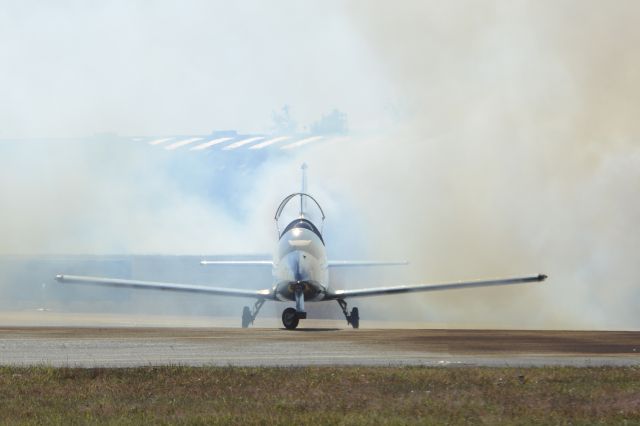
x=303, y=201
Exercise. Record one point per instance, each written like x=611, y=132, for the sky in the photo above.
x=489, y=139
x=146, y=68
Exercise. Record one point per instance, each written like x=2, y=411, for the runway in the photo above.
x=130, y=347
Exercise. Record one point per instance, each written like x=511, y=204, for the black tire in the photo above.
x=290, y=319
x=355, y=318
x=246, y=317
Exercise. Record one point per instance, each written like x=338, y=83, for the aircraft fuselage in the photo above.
x=300, y=263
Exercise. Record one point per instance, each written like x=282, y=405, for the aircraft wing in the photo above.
x=331, y=263
x=237, y=263
x=154, y=285
x=350, y=263
x=381, y=291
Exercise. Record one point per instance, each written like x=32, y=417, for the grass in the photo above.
x=319, y=395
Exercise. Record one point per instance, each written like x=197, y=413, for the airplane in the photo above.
x=300, y=269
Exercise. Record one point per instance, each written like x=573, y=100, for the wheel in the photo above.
x=246, y=317
x=355, y=318
x=290, y=319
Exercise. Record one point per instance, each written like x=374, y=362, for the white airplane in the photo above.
x=300, y=270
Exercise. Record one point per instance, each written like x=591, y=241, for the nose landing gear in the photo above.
x=290, y=318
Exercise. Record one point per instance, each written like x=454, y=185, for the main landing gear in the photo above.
x=354, y=318
x=249, y=315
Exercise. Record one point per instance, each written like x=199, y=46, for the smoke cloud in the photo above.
x=517, y=152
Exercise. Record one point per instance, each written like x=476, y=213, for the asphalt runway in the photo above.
x=129, y=347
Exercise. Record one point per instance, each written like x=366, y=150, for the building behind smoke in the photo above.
x=218, y=167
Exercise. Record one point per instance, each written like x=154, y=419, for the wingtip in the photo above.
x=59, y=278
x=542, y=277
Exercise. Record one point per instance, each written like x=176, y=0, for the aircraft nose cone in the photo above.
x=301, y=266
x=298, y=265
x=294, y=261
x=296, y=269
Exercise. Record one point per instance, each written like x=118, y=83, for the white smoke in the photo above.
x=518, y=153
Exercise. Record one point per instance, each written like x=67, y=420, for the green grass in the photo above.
x=319, y=395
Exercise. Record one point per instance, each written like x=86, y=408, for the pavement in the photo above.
x=97, y=346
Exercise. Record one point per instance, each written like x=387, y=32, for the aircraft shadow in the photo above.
x=312, y=329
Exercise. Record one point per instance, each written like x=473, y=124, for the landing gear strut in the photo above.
x=248, y=315
x=354, y=318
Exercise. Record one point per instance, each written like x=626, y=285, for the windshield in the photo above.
x=299, y=206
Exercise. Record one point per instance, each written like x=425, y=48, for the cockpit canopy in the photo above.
x=299, y=206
